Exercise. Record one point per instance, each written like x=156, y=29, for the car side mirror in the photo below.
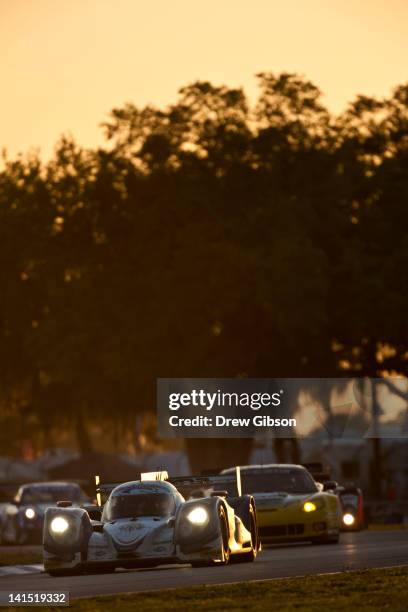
x=330, y=485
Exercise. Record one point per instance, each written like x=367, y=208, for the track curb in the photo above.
x=13, y=570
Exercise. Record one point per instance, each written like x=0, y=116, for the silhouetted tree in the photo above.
x=207, y=239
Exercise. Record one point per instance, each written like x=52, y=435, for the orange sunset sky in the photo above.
x=65, y=63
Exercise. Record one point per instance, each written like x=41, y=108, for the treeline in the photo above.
x=206, y=239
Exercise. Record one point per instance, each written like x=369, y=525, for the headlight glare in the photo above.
x=309, y=506
x=59, y=525
x=198, y=516
x=348, y=519
x=30, y=513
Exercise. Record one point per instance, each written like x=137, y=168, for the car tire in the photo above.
x=224, y=536
x=249, y=557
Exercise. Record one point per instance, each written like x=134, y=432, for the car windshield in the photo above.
x=141, y=504
x=44, y=495
x=274, y=481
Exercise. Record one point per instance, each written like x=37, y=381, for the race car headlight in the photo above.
x=348, y=519
x=309, y=506
x=59, y=525
x=198, y=516
x=30, y=513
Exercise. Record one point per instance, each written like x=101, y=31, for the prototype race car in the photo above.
x=290, y=505
x=148, y=522
x=23, y=517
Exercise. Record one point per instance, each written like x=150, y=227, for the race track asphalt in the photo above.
x=367, y=549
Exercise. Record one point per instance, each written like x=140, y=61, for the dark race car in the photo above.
x=350, y=497
x=351, y=500
x=23, y=518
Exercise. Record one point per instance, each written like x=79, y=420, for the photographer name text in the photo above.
x=223, y=421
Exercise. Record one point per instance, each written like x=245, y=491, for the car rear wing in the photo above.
x=104, y=490
x=162, y=475
x=187, y=485
x=191, y=485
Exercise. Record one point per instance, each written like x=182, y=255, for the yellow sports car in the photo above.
x=290, y=505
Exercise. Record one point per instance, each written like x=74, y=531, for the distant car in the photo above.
x=7, y=494
x=23, y=518
x=290, y=505
x=350, y=497
x=351, y=500
x=146, y=523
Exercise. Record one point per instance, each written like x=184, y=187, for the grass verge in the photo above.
x=365, y=591
x=20, y=558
